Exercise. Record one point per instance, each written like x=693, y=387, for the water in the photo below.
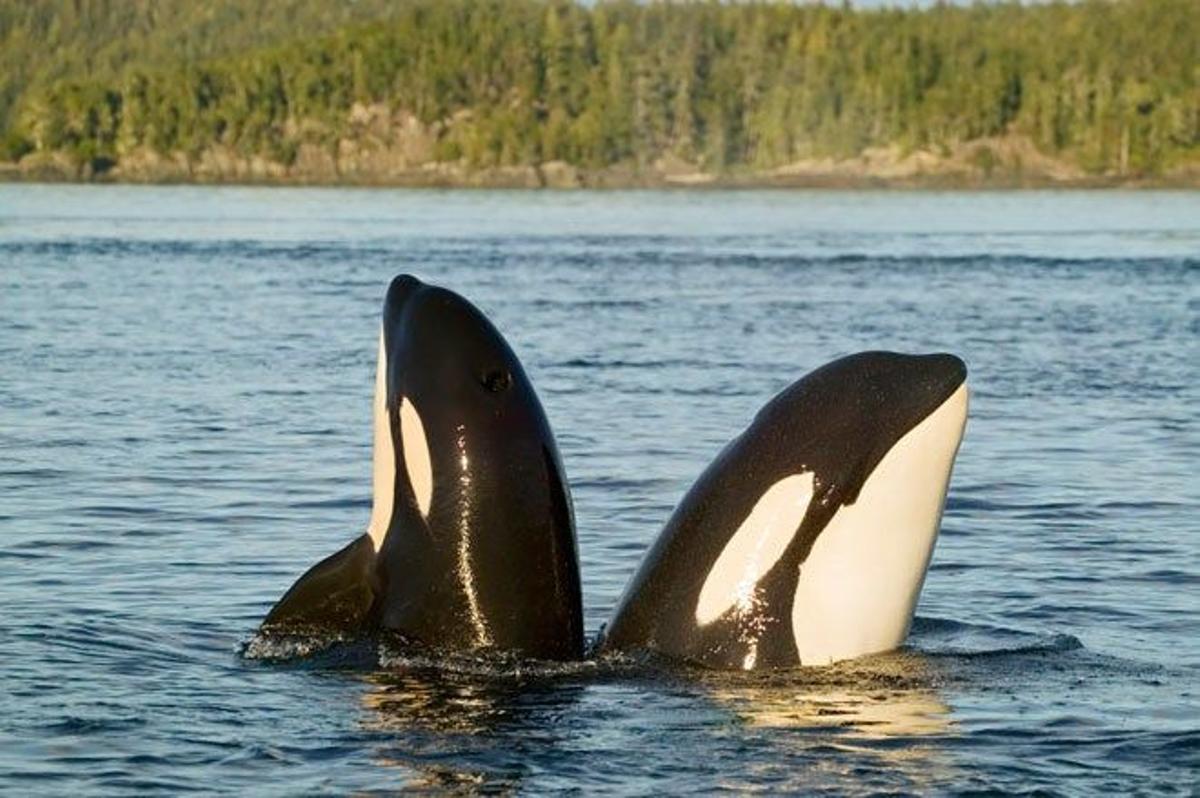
x=185, y=382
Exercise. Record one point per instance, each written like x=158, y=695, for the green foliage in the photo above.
x=1112, y=85
x=14, y=146
x=44, y=41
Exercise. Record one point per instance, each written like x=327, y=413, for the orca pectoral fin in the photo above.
x=336, y=594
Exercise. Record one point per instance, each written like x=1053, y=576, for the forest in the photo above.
x=373, y=90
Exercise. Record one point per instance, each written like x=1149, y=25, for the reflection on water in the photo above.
x=873, y=698
x=870, y=714
x=445, y=724
x=438, y=723
x=423, y=717
x=885, y=710
x=441, y=702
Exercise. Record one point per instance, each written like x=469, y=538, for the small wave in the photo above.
x=76, y=725
x=1160, y=747
x=932, y=641
x=334, y=504
x=489, y=664
x=1054, y=644
x=274, y=647
x=391, y=653
x=945, y=637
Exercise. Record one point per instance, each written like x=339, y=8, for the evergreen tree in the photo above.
x=1110, y=85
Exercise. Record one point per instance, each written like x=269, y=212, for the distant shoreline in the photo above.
x=538, y=177
x=535, y=94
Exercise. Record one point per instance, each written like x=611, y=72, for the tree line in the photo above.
x=1112, y=86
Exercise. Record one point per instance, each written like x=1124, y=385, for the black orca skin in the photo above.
x=478, y=550
x=836, y=423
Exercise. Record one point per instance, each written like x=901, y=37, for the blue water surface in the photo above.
x=185, y=382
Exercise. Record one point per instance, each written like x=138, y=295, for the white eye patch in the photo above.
x=755, y=548
x=416, y=455
x=384, y=457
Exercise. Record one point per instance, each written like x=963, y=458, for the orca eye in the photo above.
x=497, y=381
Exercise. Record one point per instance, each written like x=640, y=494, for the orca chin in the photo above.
x=471, y=541
x=808, y=539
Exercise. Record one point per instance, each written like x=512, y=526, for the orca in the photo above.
x=807, y=540
x=471, y=541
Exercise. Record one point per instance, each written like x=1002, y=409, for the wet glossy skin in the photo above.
x=472, y=541
x=836, y=423
x=494, y=562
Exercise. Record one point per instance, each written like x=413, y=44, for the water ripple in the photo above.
x=185, y=426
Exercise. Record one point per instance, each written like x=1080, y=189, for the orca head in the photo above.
x=807, y=539
x=849, y=467
x=441, y=348
x=883, y=431
x=843, y=418
x=464, y=453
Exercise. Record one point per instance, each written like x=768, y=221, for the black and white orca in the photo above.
x=807, y=540
x=471, y=541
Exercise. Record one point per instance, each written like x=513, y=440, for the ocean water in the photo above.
x=185, y=382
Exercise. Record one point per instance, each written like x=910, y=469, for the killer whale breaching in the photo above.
x=808, y=539
x=471, y=539
x=805, y=542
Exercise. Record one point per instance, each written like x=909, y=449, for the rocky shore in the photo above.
x=395, y=149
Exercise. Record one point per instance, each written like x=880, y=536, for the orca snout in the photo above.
x=951, y=366
x=944, y=371
x=415, y=303
x=403, y=286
